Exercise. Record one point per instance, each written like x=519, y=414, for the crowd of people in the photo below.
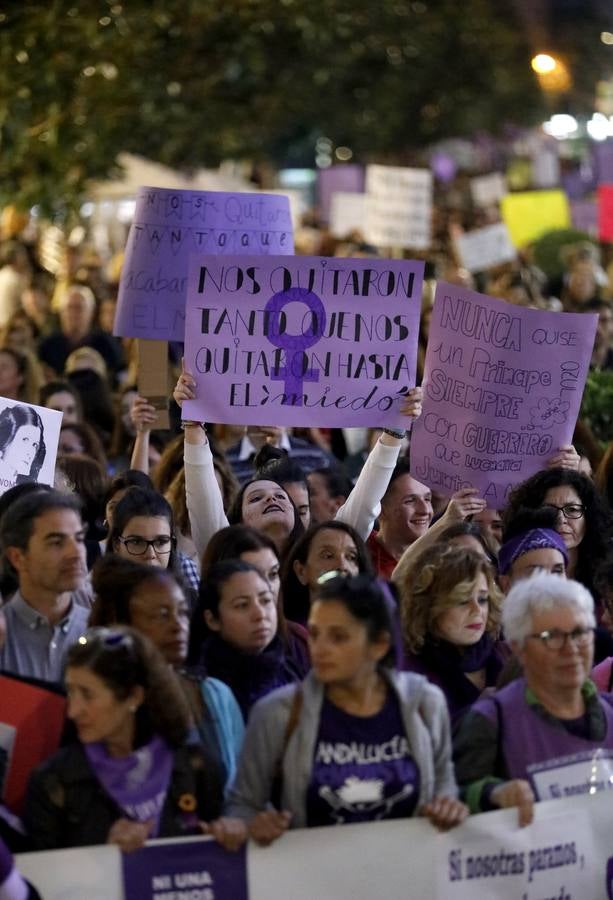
x=257, y=629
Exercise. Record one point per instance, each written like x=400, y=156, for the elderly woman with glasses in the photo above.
x=542, y=736
x=133, y=774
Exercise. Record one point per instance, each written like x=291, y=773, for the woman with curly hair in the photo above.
x=133, y=774
x=450, y=613
x=584, y=519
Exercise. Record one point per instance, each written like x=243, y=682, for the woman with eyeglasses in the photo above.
x=357, y=741
x=542, y=736
x=133, y=774
x=450, y=613
x=584, y=519
x=142, y=529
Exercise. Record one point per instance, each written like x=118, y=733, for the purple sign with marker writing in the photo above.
x=304, y=340
x=201, y=870
x=502, y=391
x=170, y=225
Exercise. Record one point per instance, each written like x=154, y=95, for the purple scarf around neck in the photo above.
x=138, y=783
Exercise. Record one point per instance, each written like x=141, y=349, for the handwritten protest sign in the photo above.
x=29, y=436
x=398, y=207
x=347, y=213
x=530, y=214
x=485, y=247
x=546, y=861
x=605, y=212
x=197, y=869
x=169, y=225
x=302, y=340
x=487, y=190
x=502, y=390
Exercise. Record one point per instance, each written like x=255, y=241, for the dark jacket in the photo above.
x=251, y=675
x=66, y=806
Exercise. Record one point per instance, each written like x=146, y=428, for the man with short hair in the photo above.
x=42, y=538
x=77, y=329
x=406, y=513
x=241, y=455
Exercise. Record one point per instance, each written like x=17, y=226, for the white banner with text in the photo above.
x=566, y=854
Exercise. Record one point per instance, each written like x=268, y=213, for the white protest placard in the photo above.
x=398, y=207
x=585, y=773
x=347, y=213
x=554, y=859
x=485, y=247
x=29, y=436
x=487, y=190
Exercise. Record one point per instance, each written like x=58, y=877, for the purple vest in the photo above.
x=557, y=763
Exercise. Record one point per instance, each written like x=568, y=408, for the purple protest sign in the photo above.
x=304, y=340
x=502, y=391
x=196, y=869
x=169, y=225
x=584, y=214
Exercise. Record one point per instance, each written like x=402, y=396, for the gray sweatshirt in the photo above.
x=426, y=722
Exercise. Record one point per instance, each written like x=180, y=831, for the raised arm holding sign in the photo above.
x=303, y=340
x=204, y=501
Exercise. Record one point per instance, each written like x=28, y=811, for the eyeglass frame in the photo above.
x=151, y=543
x=561, y=509
x=579, y=636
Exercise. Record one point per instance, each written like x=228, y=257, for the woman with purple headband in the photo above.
x=531, y=544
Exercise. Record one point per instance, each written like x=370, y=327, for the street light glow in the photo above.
x=543, y=63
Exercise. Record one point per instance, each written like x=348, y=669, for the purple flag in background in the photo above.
x=584, y=214
x=603, y=161
x=302, y=340
x=502, y=391
x=337, y=178
x=199, y=868
x=169, y=225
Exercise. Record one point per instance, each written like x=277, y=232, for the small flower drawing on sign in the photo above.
x=548, y=413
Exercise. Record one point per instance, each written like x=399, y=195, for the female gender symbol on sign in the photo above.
x=296, y=369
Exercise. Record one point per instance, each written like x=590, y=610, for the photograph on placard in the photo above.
x=29, y=437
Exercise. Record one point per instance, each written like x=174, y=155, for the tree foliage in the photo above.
x=191, y=82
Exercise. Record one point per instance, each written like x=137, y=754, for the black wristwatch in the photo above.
x=395, y=432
